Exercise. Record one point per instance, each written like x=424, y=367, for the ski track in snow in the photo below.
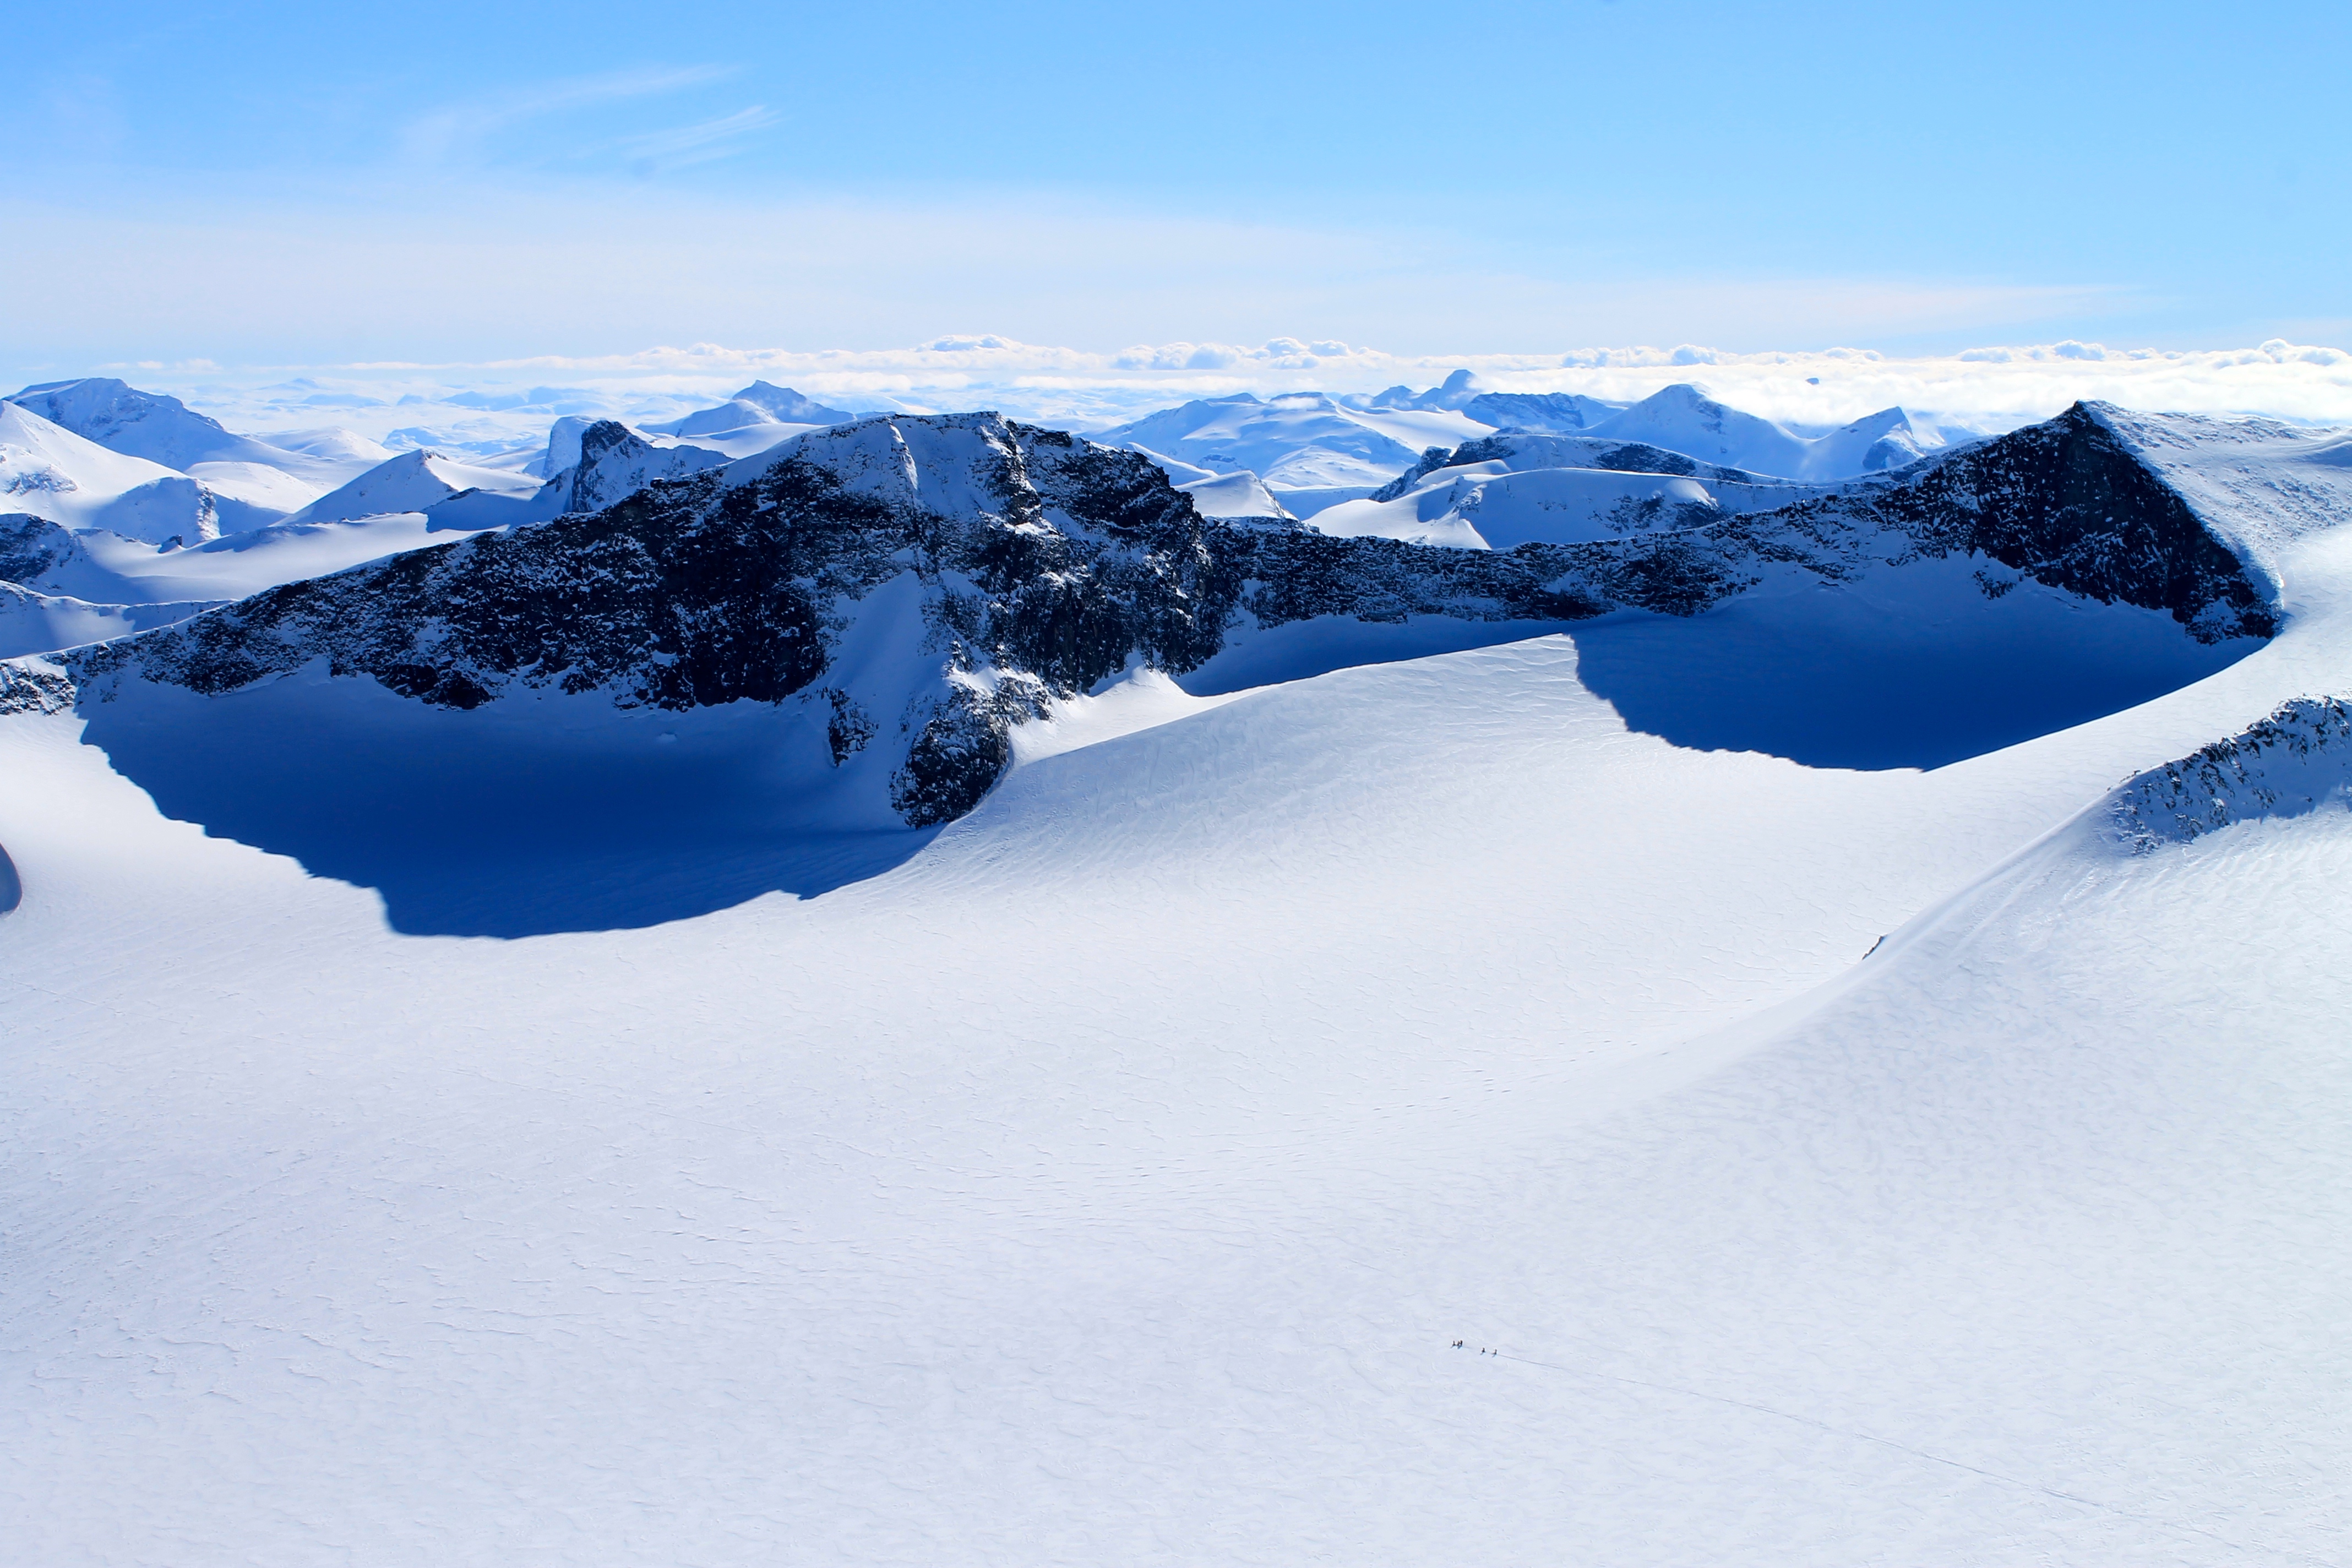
x=1109, y=1182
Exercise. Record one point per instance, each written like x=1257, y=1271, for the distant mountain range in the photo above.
x=1314, y=451
x=64, y=446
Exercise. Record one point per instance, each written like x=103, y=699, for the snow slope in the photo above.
x=347, y=453
x=1112, y=1177
x=1237, y=495
x=36, y=623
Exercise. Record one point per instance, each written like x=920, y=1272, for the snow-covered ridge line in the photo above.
x=955, y=574
x=2281, y=765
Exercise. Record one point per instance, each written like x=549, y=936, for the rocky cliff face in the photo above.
x=2066, y=503
x=32, y=547
x=1037, y=565
x=1042, y=564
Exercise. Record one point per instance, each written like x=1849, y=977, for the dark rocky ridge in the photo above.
x=32, y=546
x=1047, y=565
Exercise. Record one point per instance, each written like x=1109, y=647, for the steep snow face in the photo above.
x=1685, y=419
x=563, y=445
x=1877, y=442
x=1682, y=418
x=2261, y=484
x=415, y=481
x=49, y=471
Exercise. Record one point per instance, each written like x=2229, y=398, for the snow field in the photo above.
x=1109, y=1182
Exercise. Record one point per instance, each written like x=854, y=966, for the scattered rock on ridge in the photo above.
x=2284, y=764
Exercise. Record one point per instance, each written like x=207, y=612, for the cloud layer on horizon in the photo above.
x=1989, y=388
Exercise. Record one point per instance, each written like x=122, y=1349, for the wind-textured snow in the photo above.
x=1401, y=1115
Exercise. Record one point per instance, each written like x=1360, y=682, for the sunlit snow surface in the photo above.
x=1111, y=1178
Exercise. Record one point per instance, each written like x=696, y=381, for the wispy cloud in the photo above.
x=658, y=150
x=456, y=132
x=588, y=267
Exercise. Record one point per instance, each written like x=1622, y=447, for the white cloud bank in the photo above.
x=1988, y=389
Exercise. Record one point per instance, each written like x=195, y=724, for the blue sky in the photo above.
x=260, y=184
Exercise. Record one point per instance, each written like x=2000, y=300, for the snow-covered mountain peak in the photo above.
x=414, y=481
x=121, y=418
x=610, y=461
x=50, y=471
x=270, y=479
x=333, y=444
x=736, y=414
x=787, y=406
x=1684, y=418
x=760, y=403
x=1298, y=441
x=1456, y=391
